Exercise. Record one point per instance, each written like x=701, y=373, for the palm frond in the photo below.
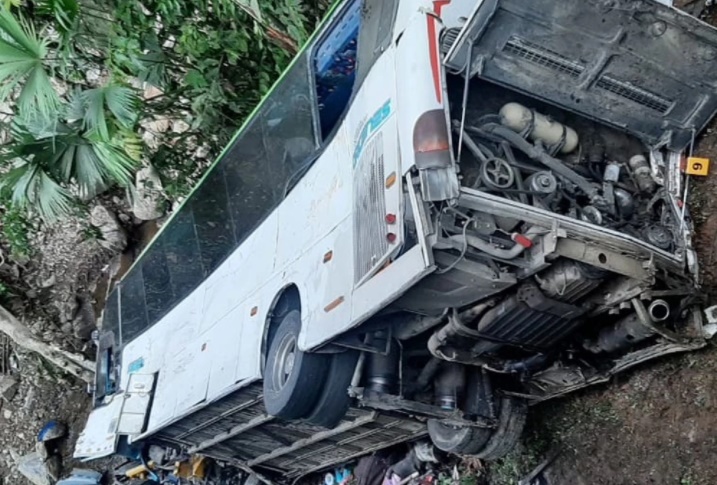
x=22, y=34
x=22, y=180
x=94, y=120
x=50, y=198
x=122, y=102
x=119, y=100
x=90, y=173
x=38, y=95
x=115, y=161
x=65, y=13
x=75, y=108
x=22, y=53
x=33, y=187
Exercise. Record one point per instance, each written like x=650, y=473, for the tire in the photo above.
x=466, y=440
x=511, y=420
x=292, y=378
x=484, y=443
x=334, y=400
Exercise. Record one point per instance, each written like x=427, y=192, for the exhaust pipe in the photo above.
x=659, y=310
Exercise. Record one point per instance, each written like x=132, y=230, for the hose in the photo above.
x=489, y=248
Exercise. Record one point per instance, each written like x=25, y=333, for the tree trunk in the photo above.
x=75, y=364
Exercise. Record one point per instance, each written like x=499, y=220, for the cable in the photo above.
x=463, y=251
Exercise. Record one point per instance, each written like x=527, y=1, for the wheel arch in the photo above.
x=287, y=299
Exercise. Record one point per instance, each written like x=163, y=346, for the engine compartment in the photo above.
x=530, y=152
x=546, y=306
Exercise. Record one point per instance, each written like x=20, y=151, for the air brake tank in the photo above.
x=538, y=127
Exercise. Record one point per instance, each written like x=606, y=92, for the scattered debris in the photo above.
x=8, y=387
x=53, y=430
x=82, y=477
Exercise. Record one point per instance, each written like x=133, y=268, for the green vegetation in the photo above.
x=85, y=83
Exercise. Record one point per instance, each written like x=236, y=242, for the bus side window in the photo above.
x=250, y=188
x=182, y=253
x=288, y=121
x=157, y=283
x=212, y=220
x=133, y=305
x=334, y=65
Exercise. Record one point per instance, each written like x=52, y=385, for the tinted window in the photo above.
x=251, y=191
x=182, y=252
x=377, y=18
x=212, y=220
x=110, y=315
x=158, y=291
x=132, y=305
x=268, y=158
x=288, y=128
x=335, y=66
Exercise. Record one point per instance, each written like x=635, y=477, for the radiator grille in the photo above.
x=448, y=38
x=542, y=56
x=369, y=209
x=635, y=94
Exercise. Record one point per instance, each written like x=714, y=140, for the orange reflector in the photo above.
x=254, y=311
x=328, y=256
x=390, y=180
x=334, y=304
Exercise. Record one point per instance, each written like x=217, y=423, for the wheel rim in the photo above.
x=285, y=361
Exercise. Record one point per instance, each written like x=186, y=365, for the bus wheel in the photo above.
x=292, y=378
x=488, y=444
x=460, y=440
x=511, y=421
x=334, y=401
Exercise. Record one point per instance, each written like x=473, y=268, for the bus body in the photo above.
x=375, y=206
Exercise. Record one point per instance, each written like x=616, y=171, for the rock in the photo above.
x=180, y=126
x=148, y=203
x=114, y=237
x=42, y=450
x=32, y=467
x=125, y=218
x=48, y=282
x=84, y=322
x=202, y=151
x=7, y=414
x=8, y=387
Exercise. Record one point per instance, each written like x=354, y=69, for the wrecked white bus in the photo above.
x=444, y=211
